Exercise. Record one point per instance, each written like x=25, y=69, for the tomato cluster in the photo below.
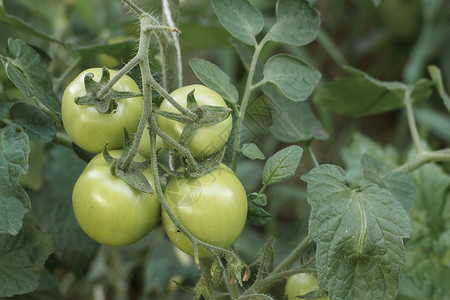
x=212, y=207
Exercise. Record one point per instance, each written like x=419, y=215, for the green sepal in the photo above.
x=192, y=104
x=257, y=215
x=131, y=173
x=317, y=294
x=172, y=116
x=108, y=103
x=234, y=269
x=205, y=166
x=189, y=130
x=216, y=272
x=210, y=115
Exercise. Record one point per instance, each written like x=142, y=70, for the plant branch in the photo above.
x=304, y=245
x=423, y=158
x=412, y=122
x=245, y=99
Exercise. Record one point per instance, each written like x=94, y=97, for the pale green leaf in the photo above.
x=240, y=18
x=297, y=23
x=252, y=151
x=295, y=79
x=282, y=165
x=214, y=78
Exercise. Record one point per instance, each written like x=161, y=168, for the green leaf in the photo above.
x=297, y=23
x=214, y=78
x=293, y=121
x=48, y=289
x=360, y=95
x=24, y=68
x=400, y=184
x=252, y=151
x=257, y=215
x=22, y=259
x=52, y=205
x=295, y=79
x=282, y=165
x=23, y=26
x=39, y=126
x=240, y=18
x=359, y=235
x=14, y=201
x=436, y=76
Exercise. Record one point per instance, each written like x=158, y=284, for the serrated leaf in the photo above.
x=214, y=78
x=400, y=184
x=436, y=75
x=293, y=121
x=240, y=18
x=252, y=151
x=38, y=126
x=282, y=165
x=359, y=236
x=297, y=23
x=257, y=215
x=22, y=259
x=53, y=205
x=295, y=79
x=14, y=201
x=360, y=95
x=24, y=68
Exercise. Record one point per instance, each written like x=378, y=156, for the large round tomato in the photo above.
x=108, y=209
x=212, y=207
x=91, y=129
x=207, y=140
x=300, y=284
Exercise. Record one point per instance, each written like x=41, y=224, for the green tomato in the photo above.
x=108, y=209
x=301, y=284
x=212, y=207
x=207, y=140
x=91, y=129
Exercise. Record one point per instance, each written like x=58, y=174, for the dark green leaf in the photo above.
x=436, y=75
x=14, y=201
x=359, y=236
x=24, y=68
x=293, y=121
x=38, y=126
x=295, y=79
x=400, y=184
x=48, y=289
x=4, y=109
x=53, y=205
x=257, y=215
x=240, y=18
x=297, y=23
x=22, y=259
x=252, y=151
x=21, y=25
x=282, y=165
x=361, y=95
x=214, y=78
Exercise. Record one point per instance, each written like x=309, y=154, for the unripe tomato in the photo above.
x=91, y=129
x=108, y=209
x=212, y=207
x=300, y=284
x=207, y=140
x=144, y=144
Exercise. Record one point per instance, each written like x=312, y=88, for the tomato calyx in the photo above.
x=129, y=170
x=107, y=103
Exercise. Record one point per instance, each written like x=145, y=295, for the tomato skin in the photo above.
x=108, y=209
x=207, y=140
x=90, y=129
x=144, y=144
x=300, y=284
x=212, y=207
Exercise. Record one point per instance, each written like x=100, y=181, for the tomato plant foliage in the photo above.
x=334, y=137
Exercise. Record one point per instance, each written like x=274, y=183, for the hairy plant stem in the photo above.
x=147, y=23
x=293, y=257
x=412, y=123
x=244, y=103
